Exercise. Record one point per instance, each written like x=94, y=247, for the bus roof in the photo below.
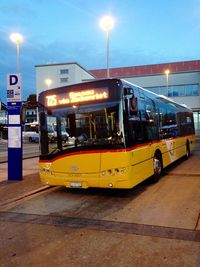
x=111, y=81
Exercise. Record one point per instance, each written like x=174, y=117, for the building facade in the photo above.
x=56, y=75
x=182, y=83
x=31, y=114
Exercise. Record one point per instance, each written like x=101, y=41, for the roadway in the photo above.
x=29, y=150
x=149, y=225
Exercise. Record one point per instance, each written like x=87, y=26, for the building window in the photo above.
x=176, y=90
x=192, y=90
x=63, y=80
x=64, y=71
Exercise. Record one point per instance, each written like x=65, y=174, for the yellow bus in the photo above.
x=119, y=134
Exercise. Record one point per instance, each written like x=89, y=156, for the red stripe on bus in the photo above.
x=110, y=151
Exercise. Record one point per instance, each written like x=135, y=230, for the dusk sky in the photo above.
x=58, y=31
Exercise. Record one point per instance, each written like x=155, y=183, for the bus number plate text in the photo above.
x=75, y=184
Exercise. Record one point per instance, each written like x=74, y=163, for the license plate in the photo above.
x=75, y=184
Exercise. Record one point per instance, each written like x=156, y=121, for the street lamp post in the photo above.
x=107, y=24
x=17, y=39
x=167, y=72
x=14, y=102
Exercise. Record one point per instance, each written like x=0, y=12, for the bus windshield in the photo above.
x=98, y=125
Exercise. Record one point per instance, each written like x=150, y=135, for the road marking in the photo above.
x=103, y=225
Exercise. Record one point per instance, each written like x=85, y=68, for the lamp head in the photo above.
x=48, y=82
x=107, y=23
x=167, y=72
x=16, y=38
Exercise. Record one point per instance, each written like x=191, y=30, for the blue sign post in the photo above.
x=14, y=127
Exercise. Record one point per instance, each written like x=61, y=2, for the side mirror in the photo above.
x=133, y=105
x=49, y=112
x=43, y=134
x=42, y=118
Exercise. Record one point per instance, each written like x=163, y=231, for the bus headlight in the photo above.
x=115, y=171
x=109, y=172
x=123, y=170
x=46, y=171
x=103, y=173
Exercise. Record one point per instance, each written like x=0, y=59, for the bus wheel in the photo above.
x=157, y=167
x=187, y=149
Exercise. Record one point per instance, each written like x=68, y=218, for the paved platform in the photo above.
x=30, y=238
x=30, y=166
x=47, y=245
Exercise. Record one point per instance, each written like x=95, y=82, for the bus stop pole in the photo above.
x=14, y=103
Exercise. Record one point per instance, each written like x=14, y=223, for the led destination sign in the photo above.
x=76, y=97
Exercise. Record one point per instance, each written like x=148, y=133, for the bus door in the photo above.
x=146, y=122
x=139, y=138
x=168, y=130
x=83, y=134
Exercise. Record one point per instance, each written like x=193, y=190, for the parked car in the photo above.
x=30, y=132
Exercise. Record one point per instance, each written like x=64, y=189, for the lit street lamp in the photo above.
x=48, y=82
x=107, y=23
x=17, y=38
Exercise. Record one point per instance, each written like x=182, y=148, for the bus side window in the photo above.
x=152, y=120
x=133, y=105
x=137, y=132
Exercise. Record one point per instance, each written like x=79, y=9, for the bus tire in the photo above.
x=187, y=149
x=157, y=167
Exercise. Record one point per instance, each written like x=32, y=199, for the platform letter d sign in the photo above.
x=13, y=80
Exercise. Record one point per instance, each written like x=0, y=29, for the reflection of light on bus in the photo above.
x=114, y=141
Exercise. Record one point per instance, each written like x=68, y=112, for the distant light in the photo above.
x=48, y=82
x=16, y=38
x=167, y=72
x=107, y=23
